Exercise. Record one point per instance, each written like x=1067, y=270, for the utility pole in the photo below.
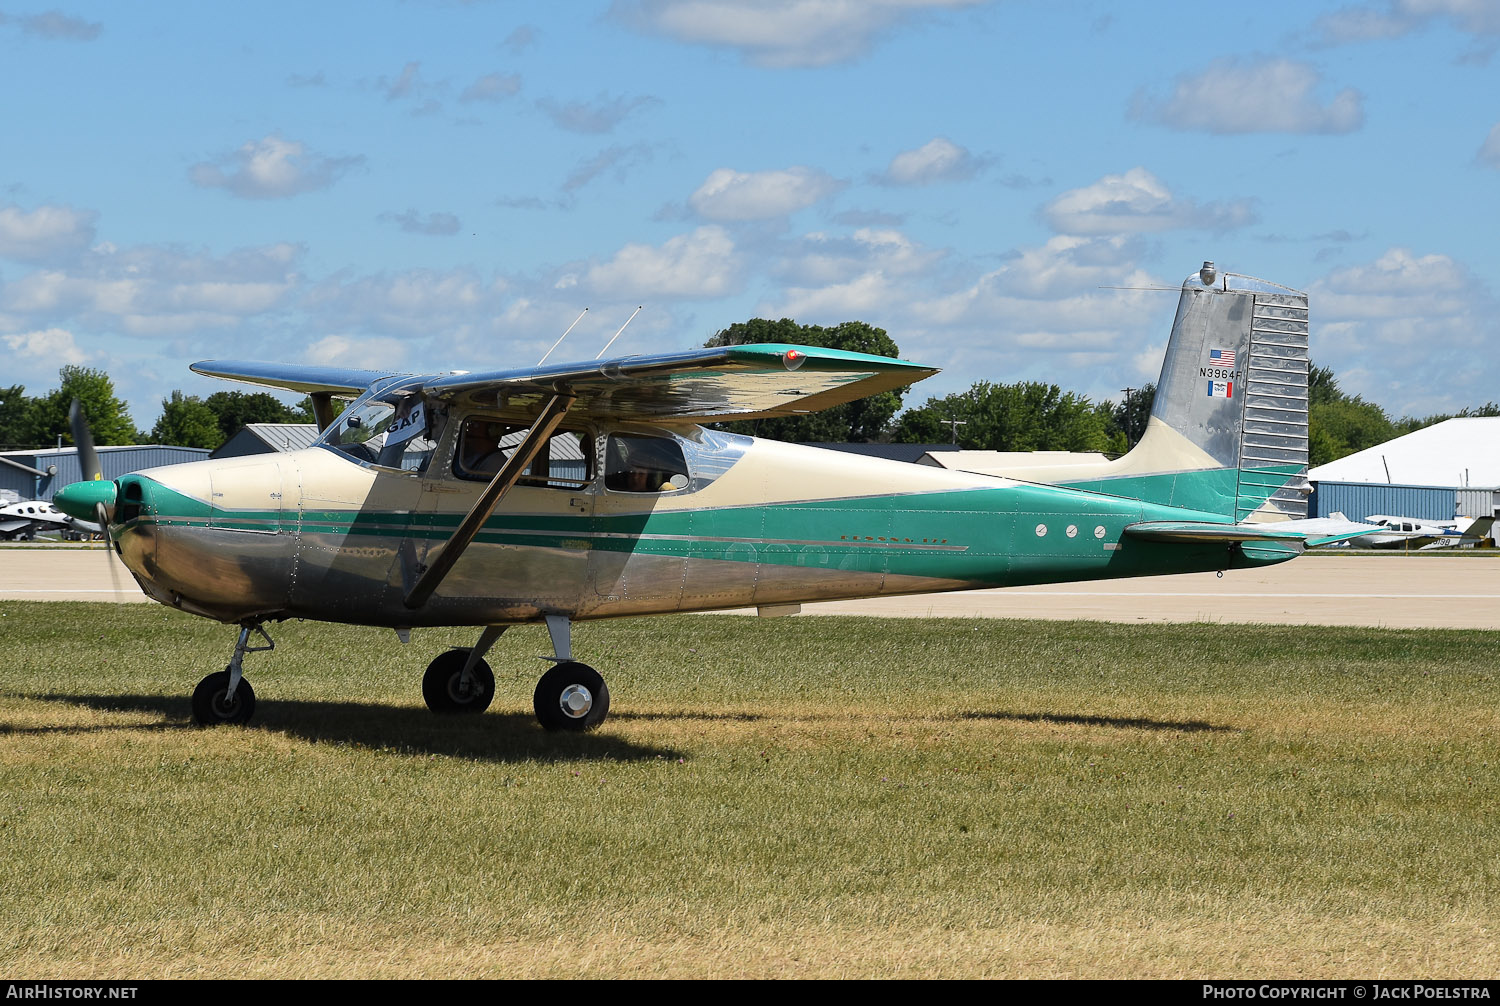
x=1129, y=419
x=954, y=424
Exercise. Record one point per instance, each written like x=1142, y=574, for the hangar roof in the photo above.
x=1456, y=452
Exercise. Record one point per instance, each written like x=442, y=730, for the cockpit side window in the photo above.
x=636, y=463
x=566, y=460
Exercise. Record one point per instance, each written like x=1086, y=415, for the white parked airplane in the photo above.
x=1414, y=533
x=25, y=518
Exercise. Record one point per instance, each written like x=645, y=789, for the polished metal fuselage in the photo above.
x=315, y=534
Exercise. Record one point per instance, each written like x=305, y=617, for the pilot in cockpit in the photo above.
x=479, y=451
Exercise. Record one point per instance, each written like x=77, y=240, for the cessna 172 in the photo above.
x=587, y=491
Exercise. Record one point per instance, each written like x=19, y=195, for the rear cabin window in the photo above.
x=565, y=461
x=643, y=464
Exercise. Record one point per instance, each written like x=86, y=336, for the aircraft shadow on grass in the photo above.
x=492, y=737
x=1118, y=722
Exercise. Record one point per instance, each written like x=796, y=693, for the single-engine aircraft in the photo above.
x=583, y=491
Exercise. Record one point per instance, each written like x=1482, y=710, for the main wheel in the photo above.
x=571, y=696
x=211, y=707
x=445, y=691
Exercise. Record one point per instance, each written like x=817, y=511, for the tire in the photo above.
x=571, y=696
x=440, y=685
x=209, y=707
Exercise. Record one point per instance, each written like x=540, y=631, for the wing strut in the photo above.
x=507, y=476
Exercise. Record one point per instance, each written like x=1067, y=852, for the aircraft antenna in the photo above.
x=611, y=342
x=560, y=338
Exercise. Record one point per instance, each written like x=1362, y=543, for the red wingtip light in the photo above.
x=793, y=359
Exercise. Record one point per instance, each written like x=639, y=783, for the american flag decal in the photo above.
x=1221, y=357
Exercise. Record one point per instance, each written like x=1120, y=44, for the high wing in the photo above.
x=745, y=382
x=308, y=379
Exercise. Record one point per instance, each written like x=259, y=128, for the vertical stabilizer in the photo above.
x=1228, y=429
x=1234, y=387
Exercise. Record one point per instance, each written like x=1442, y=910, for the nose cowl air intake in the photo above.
x=82, y=500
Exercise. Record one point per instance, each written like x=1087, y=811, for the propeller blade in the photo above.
x=88, y=458
x=109, y=546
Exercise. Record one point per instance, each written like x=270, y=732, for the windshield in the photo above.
x=393, y=429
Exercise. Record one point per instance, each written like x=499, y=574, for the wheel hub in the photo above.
x=576, y=701
x=223, y=706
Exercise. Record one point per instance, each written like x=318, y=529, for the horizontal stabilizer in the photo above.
x=1311, y=531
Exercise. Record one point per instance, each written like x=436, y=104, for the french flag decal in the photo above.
x=1220, y=389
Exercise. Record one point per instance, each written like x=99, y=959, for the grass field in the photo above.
x=797, y=796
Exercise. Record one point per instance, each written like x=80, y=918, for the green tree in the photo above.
x=187, y=421
x=17, y=418
x=108, y=417
x=1126, y=422
x=1028, y=416
x=234, y=409
x=1344, y=426
x=854, y=422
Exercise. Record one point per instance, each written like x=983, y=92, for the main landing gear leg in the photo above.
x=460, y=681
x=225, y=696
x=571, y=696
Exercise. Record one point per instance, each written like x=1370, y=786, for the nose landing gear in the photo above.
x=224, y=696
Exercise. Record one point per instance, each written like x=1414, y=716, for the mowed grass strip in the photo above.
x=820, y=796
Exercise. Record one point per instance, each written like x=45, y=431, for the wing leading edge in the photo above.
x=745, y=382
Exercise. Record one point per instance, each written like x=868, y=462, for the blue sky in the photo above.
x=443, y=185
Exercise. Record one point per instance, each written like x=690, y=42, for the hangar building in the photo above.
x=40, y=474
x=1450, y=469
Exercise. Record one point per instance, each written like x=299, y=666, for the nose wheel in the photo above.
x=213, y=705
x=225, y=696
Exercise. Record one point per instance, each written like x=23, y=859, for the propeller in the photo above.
x=88, y=458
x=92, y=496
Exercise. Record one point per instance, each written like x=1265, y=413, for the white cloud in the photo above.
x=937, y=160
x=412, y=222
x=55, y=345
x=1396, y=18
x=1253, y=96
x=272, y=168
x=781, y=33
x=616, y=159
x=44, y=233
x=156, y=291
x=702, y=263
x=598, y=116
x=415, y=301
x=356, y=351
x=1418, y=328
x=54, y=25
x=824, y=259
x=1489, y=153
x=1138, y=201
x=406, y=82
x=492, y=87
x=760, y=195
